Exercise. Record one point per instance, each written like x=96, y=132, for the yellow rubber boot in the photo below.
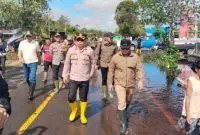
x=140, y=51
x=74, y=110
x=83, y=107
x=137, y=51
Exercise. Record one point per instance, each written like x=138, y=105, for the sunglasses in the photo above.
x=28, y=36
x=125, y=48
x=79, y=39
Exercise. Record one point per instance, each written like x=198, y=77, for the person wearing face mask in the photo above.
x=58, y=51
x=124, y=68
x=104, y=53
x=78, y=70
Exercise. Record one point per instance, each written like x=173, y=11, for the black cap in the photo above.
x=109, y=34
x=125, y=43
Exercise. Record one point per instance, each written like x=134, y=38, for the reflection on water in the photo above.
x=160, y=83
x=150, y=111
x=163, y=85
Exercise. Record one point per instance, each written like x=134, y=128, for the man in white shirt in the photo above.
x=28, y=53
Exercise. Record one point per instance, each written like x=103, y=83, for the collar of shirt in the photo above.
x=58, y=43
x=131, y=55
x=81, y=50
x=32, y=42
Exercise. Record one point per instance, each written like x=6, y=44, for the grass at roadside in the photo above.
x=168, y=58
x=12, y=60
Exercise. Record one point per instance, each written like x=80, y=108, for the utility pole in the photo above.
x=23, y=18
x=49, y=25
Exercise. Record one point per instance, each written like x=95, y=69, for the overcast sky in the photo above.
x=97, y=14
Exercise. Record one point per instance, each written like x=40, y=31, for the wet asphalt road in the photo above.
x=153, y=111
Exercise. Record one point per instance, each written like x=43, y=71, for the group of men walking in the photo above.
x=74, y=63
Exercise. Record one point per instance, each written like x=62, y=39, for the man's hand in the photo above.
x=3, y=117
x=110, y=88
x=140, y=85
x=189, y=119
x=96, y=67
x=21, y=61
x=91, y=76
x=66, y=80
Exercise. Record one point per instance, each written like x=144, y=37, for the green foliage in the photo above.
x=127, y=20
x=27, y=14
x=168, y=58
x=72, y=30
x=166, y=11
x=10, y=14
x=92, y=32
x=157, y=34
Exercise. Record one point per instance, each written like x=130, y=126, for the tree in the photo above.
x=10, y=14
x=167, y=11
x=34, y=15
x=126, y=18
x=61, y=24
x=92, y=32
x=63, y=20
x=34, y=12
x=27, y=14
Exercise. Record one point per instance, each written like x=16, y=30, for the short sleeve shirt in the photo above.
x=29, y=51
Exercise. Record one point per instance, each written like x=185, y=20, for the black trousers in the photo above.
x=47, y=65
x=83, y=90
x=1, y=131
x=196, y=130
x=3, y=63
x=57, y=71
x=104, y=72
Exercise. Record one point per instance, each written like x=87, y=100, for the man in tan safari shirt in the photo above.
x=124, y=68
x=104, y=53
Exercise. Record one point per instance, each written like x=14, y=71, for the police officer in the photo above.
x=58, y=51
x=104, y=53
x=78, y=70
x=124, y=68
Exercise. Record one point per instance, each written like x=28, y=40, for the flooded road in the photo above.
x=164, y=87
x=153, y=111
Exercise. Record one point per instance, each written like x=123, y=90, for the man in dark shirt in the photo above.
x=3, y=47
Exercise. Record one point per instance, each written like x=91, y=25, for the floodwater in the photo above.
x=164, y=86
x=154, y=110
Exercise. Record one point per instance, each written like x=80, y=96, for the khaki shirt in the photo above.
x=58, y=51
x=79, y=64
x=104, y=54
x=123, y=70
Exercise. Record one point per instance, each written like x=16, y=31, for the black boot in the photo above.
x=123, y=122
x=31, y=92
x=29, y=86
